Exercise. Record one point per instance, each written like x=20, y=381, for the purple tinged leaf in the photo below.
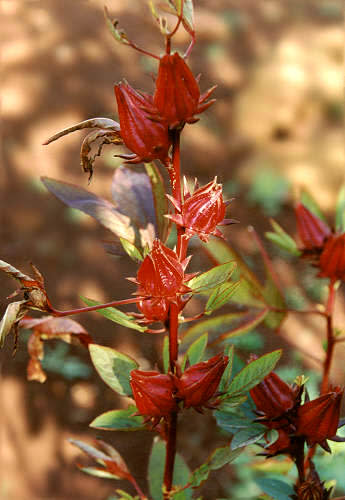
x=102, y=210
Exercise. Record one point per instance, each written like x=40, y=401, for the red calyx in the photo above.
x=155, y=309
x=161, y=274
x=312, y=231
x=146, y=137
x=332, y=258
x=273, y=398
x=202, y=211
x=153, y=393
x=198, y=384
x=318, y=420
x=177, y=96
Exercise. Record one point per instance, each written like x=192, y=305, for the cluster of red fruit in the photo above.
x=146, y=120
x=278, y=406
x=324, y=247
x=158, y=395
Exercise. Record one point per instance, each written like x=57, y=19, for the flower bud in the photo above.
x=147, y=138
x=155, y=309
x=161, y=274
x=332, y=258
x=312, y=231
x=273, y=398
x=318, y=420
x=198, y=384
x=153, y=393
x=177, y=96
x=202, y=211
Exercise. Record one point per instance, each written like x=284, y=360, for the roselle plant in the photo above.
x=198, y=368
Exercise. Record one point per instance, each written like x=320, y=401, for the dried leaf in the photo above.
x=13, y=314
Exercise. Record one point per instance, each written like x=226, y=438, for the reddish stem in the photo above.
x=142, y=496
x=60, y=314
x=330, y=338
x=171, y=420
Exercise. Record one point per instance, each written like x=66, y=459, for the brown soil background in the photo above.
x=279, y=70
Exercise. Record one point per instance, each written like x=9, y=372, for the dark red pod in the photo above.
x=148, y=139
x=332, y=258
x=273, y=397
x=318, y=420
x=153, y=393
x=161, y=274
x=198, y=384
x=177, y=96
x=155, y=309
x=280, y=445
x=312, y=231
x=202, y=211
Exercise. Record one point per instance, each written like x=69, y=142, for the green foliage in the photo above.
x=340, y=212
x=282, y=239
x=268, y=190
x=247, y=436
x=195, y=352
x=220, y=457
x=113, y=367
x=131, y=250
x=156, y=472
x=225, y=380
x=119, y=420
x=220, y=296
x=254, y=373
x=309, y=201
x=58, y=360
x=115, y=315
x=212, y=278
x=275, y=488
x=160, y=201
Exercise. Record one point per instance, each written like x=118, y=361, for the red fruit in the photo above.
x=153, y=393
x=154, y=309
x=332, y=258
x=202, y=211
x=273, y=397
x=280, y=445
x=148, y=139
x=318, y=420
x=198, y=384
x=161, y=274
x=177, y=96
x=312, y=231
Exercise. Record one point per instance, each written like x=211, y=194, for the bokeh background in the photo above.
x=277, y=126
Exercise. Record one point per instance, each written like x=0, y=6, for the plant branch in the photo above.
x=71, y=312
x=330, y=338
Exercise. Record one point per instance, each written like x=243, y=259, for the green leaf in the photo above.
x=223, y=385
x=309, y=201
x=166, y=354
x=114, y=315
x=119, y=35
x=214, y=326
x=275, y=488
x=160, y=201
x=188, y=13
x=340, y=212
x=212, y=278
x=124, y=496
x=98, y=472
x=220, y=457
x=254, y=373
x=282, y=239
x=119, y=420
x=251, y=321
x=250, y=291
x=221, y=296
x=231, y=422
x=196, y=351
x=131, y=250
x=113, y=367
x=156, y=472
x=247, y=436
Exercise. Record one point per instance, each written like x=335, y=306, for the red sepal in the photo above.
x=332, y=258
x=153, y=393
x=312, y=231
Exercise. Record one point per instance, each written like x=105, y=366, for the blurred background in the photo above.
x=277, y=126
